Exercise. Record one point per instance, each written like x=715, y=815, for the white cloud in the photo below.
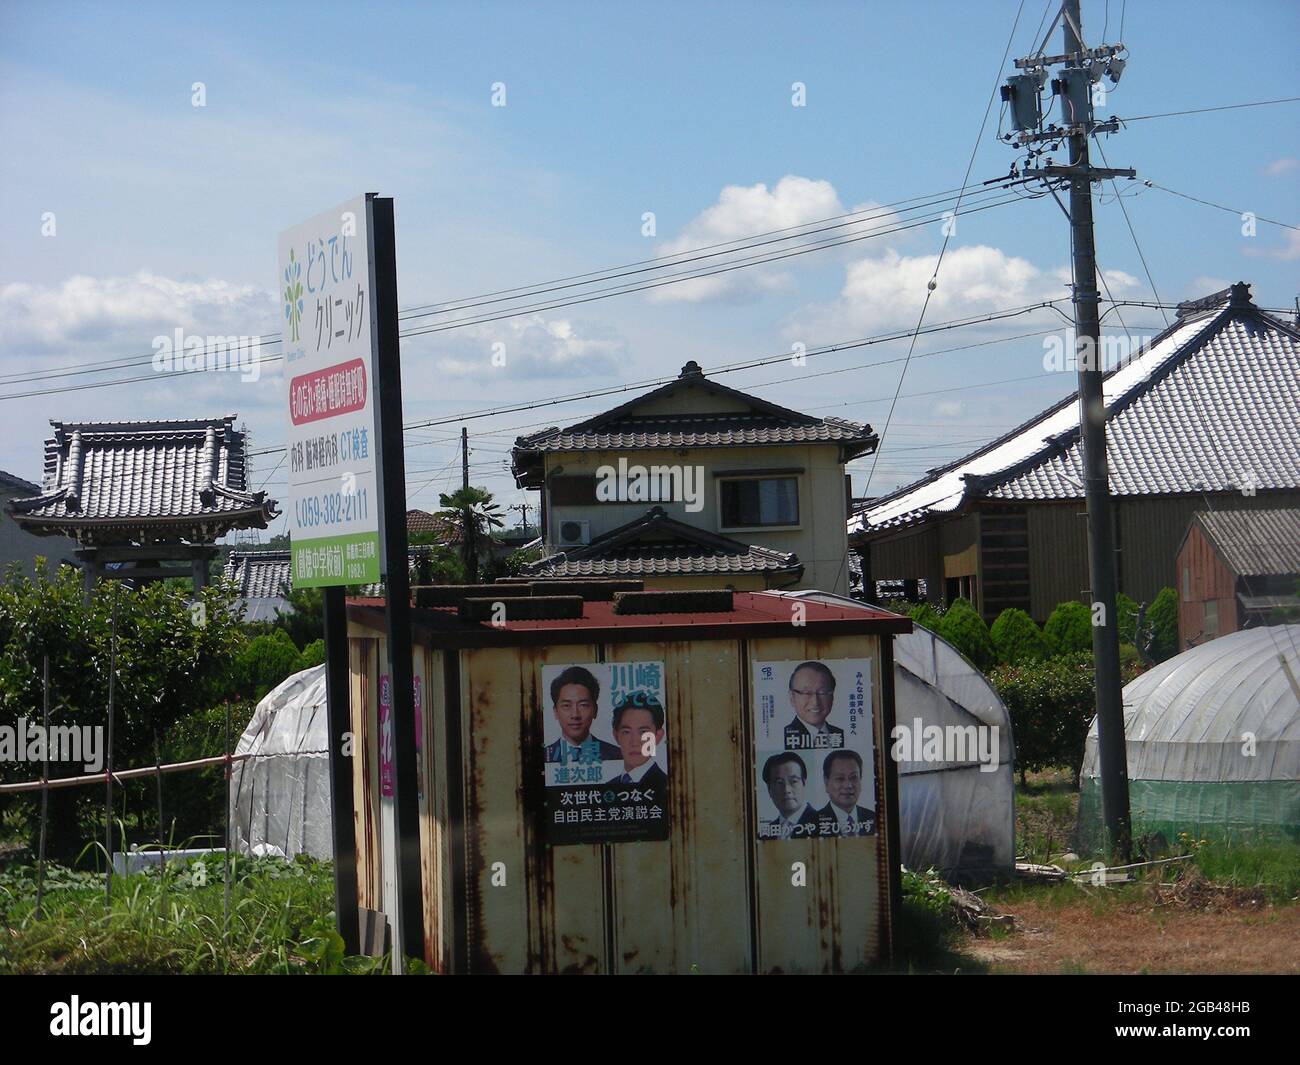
x=100, y=315
x=1279, y=167
x=531, y=348
x=887, y=292
x=746, y=210
x=1289, y=250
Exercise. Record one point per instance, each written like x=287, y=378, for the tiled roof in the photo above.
x=258, y=574
x=1211, y=404
x=657, y=545
x=1255, y=543
x=184, y=475
x=759, y=423
x=695, y=430
x=421, y=521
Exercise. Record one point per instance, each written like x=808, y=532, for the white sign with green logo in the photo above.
x=326, y=290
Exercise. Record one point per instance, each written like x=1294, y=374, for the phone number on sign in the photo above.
x=331, y=508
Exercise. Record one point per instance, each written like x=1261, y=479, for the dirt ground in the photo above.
x=1140, y=935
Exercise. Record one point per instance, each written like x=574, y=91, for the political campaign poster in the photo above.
x=605, y=731
x=815, y=768
x=387, y=753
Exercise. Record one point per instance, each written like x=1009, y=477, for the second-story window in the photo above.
x=755, y=501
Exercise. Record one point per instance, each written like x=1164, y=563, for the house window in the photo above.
x=574, y=490
x=760, y=501
x=1187, y=583
x=1211, y=625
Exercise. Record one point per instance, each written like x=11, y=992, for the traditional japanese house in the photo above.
x=1205, y=416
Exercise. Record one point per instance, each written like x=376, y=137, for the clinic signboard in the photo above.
x=327, y=288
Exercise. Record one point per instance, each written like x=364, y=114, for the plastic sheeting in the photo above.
x=1213, y=742
x=953, y=815
x=280, y=797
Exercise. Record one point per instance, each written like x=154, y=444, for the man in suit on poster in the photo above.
x=812, y=696
x=639, y=731
x=574, y=695
x=842, y=816
x=785, y=776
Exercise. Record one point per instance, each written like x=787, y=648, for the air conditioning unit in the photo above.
x=574, y=533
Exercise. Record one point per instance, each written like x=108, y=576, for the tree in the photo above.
x=962, y=627
x=169, y=651
x=473, y=514
x=1069, y=628
x=1162, y=619
x=1017, y=639
x=924, y=615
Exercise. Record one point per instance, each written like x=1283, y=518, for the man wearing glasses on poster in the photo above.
x=812, y=695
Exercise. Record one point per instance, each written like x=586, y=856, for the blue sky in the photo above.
x=167, y=214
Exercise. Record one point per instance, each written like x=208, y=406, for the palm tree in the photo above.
x=473, y=514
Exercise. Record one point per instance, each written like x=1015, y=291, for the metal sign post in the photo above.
x=408, y=925
x=346, y=506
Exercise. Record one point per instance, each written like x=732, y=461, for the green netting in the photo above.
x=1230, y=811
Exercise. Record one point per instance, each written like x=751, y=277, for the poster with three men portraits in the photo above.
x=815, y=753
x=605, y=730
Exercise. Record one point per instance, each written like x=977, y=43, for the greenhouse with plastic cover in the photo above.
x=1213, y=739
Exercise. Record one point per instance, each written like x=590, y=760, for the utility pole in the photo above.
x=464, y=457
x=1082, y=67
x=523, y=509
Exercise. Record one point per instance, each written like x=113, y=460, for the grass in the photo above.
x=281, y=921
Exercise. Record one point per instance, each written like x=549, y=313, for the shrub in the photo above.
x=962, y=627
x=1069, y=629
x=1126, y=618
x=1017, y=639
x=264, y=663
x=925, y=616
x=1051, y=705
x=312, y=655
x=1162, y=620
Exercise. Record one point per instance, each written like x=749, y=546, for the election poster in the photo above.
x=815, y=754
x=605, y=731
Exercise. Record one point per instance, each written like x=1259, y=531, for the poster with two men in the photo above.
x=815, y=754
x=606, y=752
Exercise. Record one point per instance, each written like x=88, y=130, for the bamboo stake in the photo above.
x=45, y=791
x=162, y=845
x=225, y=920
x=108, y=764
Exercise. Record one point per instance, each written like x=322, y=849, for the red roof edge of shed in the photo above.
x=753, y=614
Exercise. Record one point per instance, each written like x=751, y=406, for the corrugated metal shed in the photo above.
x=500, y=897
x=1255, y=543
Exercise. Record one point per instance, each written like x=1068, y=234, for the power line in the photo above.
x=1219, y=206
x=1132, y=233
x=1206, y=110
x=663, y=262
x=827, y=349
x=693, y=255
x=948, y=231
x=509, y=313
